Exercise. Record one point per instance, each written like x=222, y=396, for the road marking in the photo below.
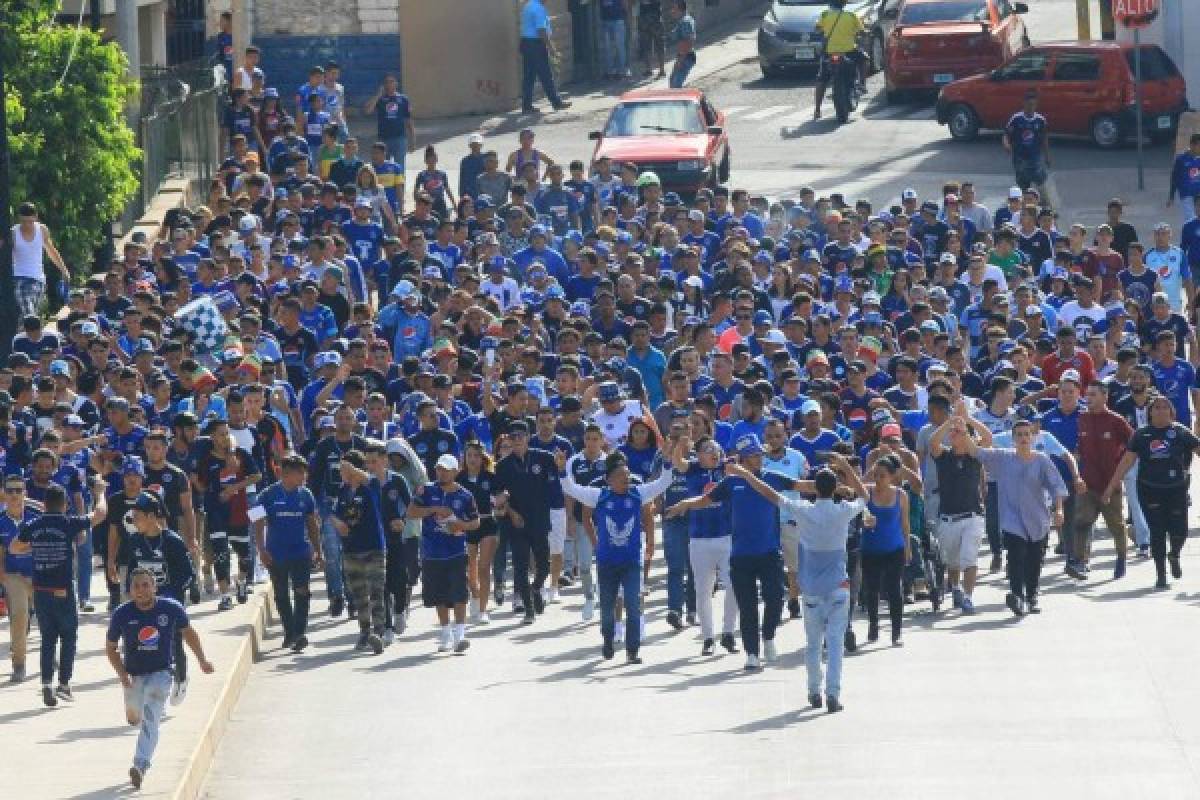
x=734, y=109
x=802, y=115
x=769, y=111
x=921, y=113
x=888, y=112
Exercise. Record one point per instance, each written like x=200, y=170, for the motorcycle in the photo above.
x=843, y=73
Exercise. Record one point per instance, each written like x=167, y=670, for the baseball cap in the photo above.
x=447, y=461
x=889, y=430
x=1015, y=193
x=609, y=390
x=248, y=223
x=762, y=317
x=475, y=138
x=1071, y=376
x=1032, y=310
x=132, y=465
x=403, y=289
x=748, y=445
x=774, y=336
x=149, y=503
x=908, y=194
x=810, y=407
x=60, y=367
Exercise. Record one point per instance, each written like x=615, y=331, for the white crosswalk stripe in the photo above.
x=888, y=113
x=769, y=111
x=921, y=113
x=802, y=115
x=731, y=110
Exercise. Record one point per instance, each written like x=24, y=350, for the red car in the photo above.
x=1084, y=89
x=935, y=42
x=676, y=133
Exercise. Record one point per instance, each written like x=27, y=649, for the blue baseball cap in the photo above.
x=762, y=317
x=748, y=445
x=555, y=292
x=483, y=201
x=811, y=255
x=580, y=308
x=609, y=390
x=403, y=289
x=537, y=230
x=132, y=465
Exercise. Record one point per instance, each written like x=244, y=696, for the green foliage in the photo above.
x=72, y=152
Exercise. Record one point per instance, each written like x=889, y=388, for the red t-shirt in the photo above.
x=1053, y=366
x=1102, y=439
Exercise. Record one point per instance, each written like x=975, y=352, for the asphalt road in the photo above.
x=778, y=148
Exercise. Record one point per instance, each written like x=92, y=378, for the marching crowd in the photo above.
x=477, y=398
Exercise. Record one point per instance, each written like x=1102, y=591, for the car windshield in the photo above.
x=666, y=117
x=946, y=11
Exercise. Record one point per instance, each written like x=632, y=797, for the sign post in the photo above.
x=1135, y=15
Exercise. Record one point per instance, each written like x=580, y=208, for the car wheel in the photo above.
x=1106, y=131
x=876, y=53
x=724, y=170
x=963, y=122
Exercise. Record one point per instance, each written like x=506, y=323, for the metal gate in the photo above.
x=185, y=31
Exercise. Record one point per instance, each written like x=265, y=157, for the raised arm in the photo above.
x=651, y=491
x=758, y=484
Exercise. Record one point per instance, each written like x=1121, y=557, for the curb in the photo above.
x=189, y=784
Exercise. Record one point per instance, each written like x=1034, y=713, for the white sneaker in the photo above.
x=473, y=608
x=769, y=652
x=546, y=597
x=389, y=636
x=589, y=609
x=444, y=639
x=619, y=632
x=752, y=662
x=484, y=618
x=553, y=595
x=179, y=692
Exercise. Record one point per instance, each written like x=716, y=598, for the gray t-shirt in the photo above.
x=1023, y=486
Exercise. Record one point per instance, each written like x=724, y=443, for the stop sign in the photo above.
x=1134, y=13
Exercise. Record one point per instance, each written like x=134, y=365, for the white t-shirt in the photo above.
x=616, y=426
x=507, y=293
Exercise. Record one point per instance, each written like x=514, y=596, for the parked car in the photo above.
x=1084, y=88
x=788, y=38
x=676, y=133
x=931, y=43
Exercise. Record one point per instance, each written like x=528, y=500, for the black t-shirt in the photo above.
x=1164, y=455
x=430, y=445
x=166, y=556
x=169, y=482
x=958, y=483
x=119, y=507
x=529, y=483
x=52, y=542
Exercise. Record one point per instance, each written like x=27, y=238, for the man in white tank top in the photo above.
x=31, y=243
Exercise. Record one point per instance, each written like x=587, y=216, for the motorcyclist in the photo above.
x=840, y=29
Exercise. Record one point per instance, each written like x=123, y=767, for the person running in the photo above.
x=824, y=530
x=150, y=628
x=617, y=514
x=162, y=551
x=448, y=513
x=1163, y=451
x=755, y=560
x=287, y=534
x=52, y=538
x=1025, y=477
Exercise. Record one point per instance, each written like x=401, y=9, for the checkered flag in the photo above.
x=202, y=319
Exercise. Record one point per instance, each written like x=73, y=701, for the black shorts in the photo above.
x=486, y=528
x=444, y=582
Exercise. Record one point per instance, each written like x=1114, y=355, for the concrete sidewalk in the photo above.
x=83, y=749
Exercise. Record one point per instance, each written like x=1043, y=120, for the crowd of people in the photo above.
x=523, y=391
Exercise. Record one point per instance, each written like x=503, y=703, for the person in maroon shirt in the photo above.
x=1068, y=356
x=1103, y=435
x=1105, y=263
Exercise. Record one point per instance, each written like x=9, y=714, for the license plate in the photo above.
x=1164, y=123
x=806, y=53
x=942, y=77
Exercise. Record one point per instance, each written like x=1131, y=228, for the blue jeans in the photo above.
x=825, y=619
x=578, y=553
x=83, y=567
x=680, y=70
x=628, y=577
x=616, y=59
x=58, y=620
x=749, y=572
x=1141, y=531
x=397, y=149
x=681, y=588
x=331, y=545
x=145, y=702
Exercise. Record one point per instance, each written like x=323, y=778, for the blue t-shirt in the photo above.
x=52, y=539
x=754, y=519
x=711, y=522
x=1025, y=134
x=1063, y=426
x=1176, y=383
x=437, y=543
x=618, y=521
x=824, y=442
x=149, y=635
x=15, y=564
x=286, y=514
x=364, y=239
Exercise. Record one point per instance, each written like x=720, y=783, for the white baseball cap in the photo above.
x=475, y=138
x=447, y=461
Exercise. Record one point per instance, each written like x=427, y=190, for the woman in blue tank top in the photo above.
x=885, y=547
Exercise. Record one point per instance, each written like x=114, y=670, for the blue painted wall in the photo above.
x=365, y=59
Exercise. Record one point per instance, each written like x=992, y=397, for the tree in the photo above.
x=72, y=152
